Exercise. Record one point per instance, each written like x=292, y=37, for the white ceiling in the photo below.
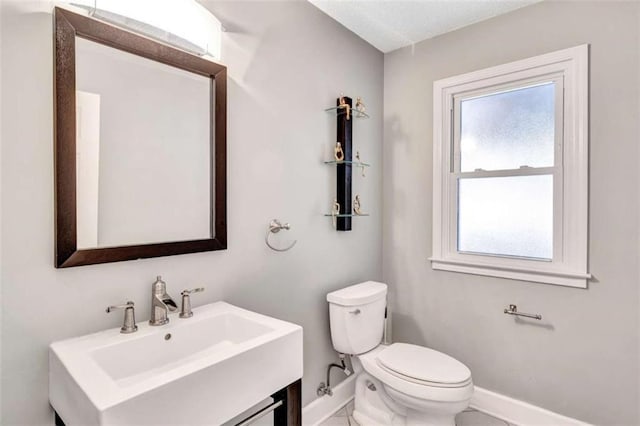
x=391, y=24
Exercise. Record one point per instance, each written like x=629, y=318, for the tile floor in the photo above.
x=469, y=417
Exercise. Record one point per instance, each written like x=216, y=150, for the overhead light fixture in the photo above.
x=185, y=24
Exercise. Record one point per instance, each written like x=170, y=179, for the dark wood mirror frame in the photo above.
x=67, y=26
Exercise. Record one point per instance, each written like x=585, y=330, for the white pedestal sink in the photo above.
x=196, y=371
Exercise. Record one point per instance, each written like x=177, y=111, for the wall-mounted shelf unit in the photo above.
x=344, y=162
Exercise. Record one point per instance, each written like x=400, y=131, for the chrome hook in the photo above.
x=276, y=226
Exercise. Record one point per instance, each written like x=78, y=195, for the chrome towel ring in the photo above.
x=274, y=227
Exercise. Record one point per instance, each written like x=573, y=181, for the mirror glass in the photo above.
x=143, y=150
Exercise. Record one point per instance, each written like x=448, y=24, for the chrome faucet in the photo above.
x=161, y=303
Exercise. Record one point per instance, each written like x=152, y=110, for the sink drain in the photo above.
x=167, y=336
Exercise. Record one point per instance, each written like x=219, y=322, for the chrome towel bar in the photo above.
x=266, y=410
x=513, y=310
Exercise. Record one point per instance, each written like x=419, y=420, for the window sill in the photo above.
x=570, y=279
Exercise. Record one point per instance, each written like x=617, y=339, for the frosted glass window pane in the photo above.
x=511, y=216
x=508, y=130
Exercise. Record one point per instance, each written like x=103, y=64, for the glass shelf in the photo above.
x=354, y=112
x=347, y=215
x=355, y=163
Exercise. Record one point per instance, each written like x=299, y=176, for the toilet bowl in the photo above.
x=400, y=384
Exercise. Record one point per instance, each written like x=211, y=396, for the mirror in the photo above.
x=143, y=157
x=140, y=146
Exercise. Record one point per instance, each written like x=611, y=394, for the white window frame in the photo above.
x=569, y=69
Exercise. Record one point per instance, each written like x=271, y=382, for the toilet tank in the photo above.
x=356, y=316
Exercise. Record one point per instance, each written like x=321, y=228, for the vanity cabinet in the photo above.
x=286, y=408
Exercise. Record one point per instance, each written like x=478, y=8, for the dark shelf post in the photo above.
x=343, y=171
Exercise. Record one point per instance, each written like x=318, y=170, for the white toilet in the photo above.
x=401, y=384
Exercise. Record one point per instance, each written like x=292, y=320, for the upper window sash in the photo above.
x=455, y=123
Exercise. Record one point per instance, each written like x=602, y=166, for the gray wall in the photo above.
x=582, y=360
x=287, y=62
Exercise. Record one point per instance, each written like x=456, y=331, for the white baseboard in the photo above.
x=503, y=407
x=320, y=409
x=518, y=412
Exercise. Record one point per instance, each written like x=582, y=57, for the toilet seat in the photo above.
x=414, y=387
x=423, y=366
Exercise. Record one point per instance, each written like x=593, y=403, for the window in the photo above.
x=511, y=170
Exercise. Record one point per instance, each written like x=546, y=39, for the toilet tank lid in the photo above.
x=358, y=294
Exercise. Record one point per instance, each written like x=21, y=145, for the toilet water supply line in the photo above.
x=325, y=388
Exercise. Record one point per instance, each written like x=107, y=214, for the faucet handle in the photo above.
x=129, y=324
x=185, y=310
x=193, y=290
x=129, y=304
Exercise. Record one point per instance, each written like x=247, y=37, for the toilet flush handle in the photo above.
x=356, y=312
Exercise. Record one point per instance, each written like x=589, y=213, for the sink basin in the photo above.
x=202, y=370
